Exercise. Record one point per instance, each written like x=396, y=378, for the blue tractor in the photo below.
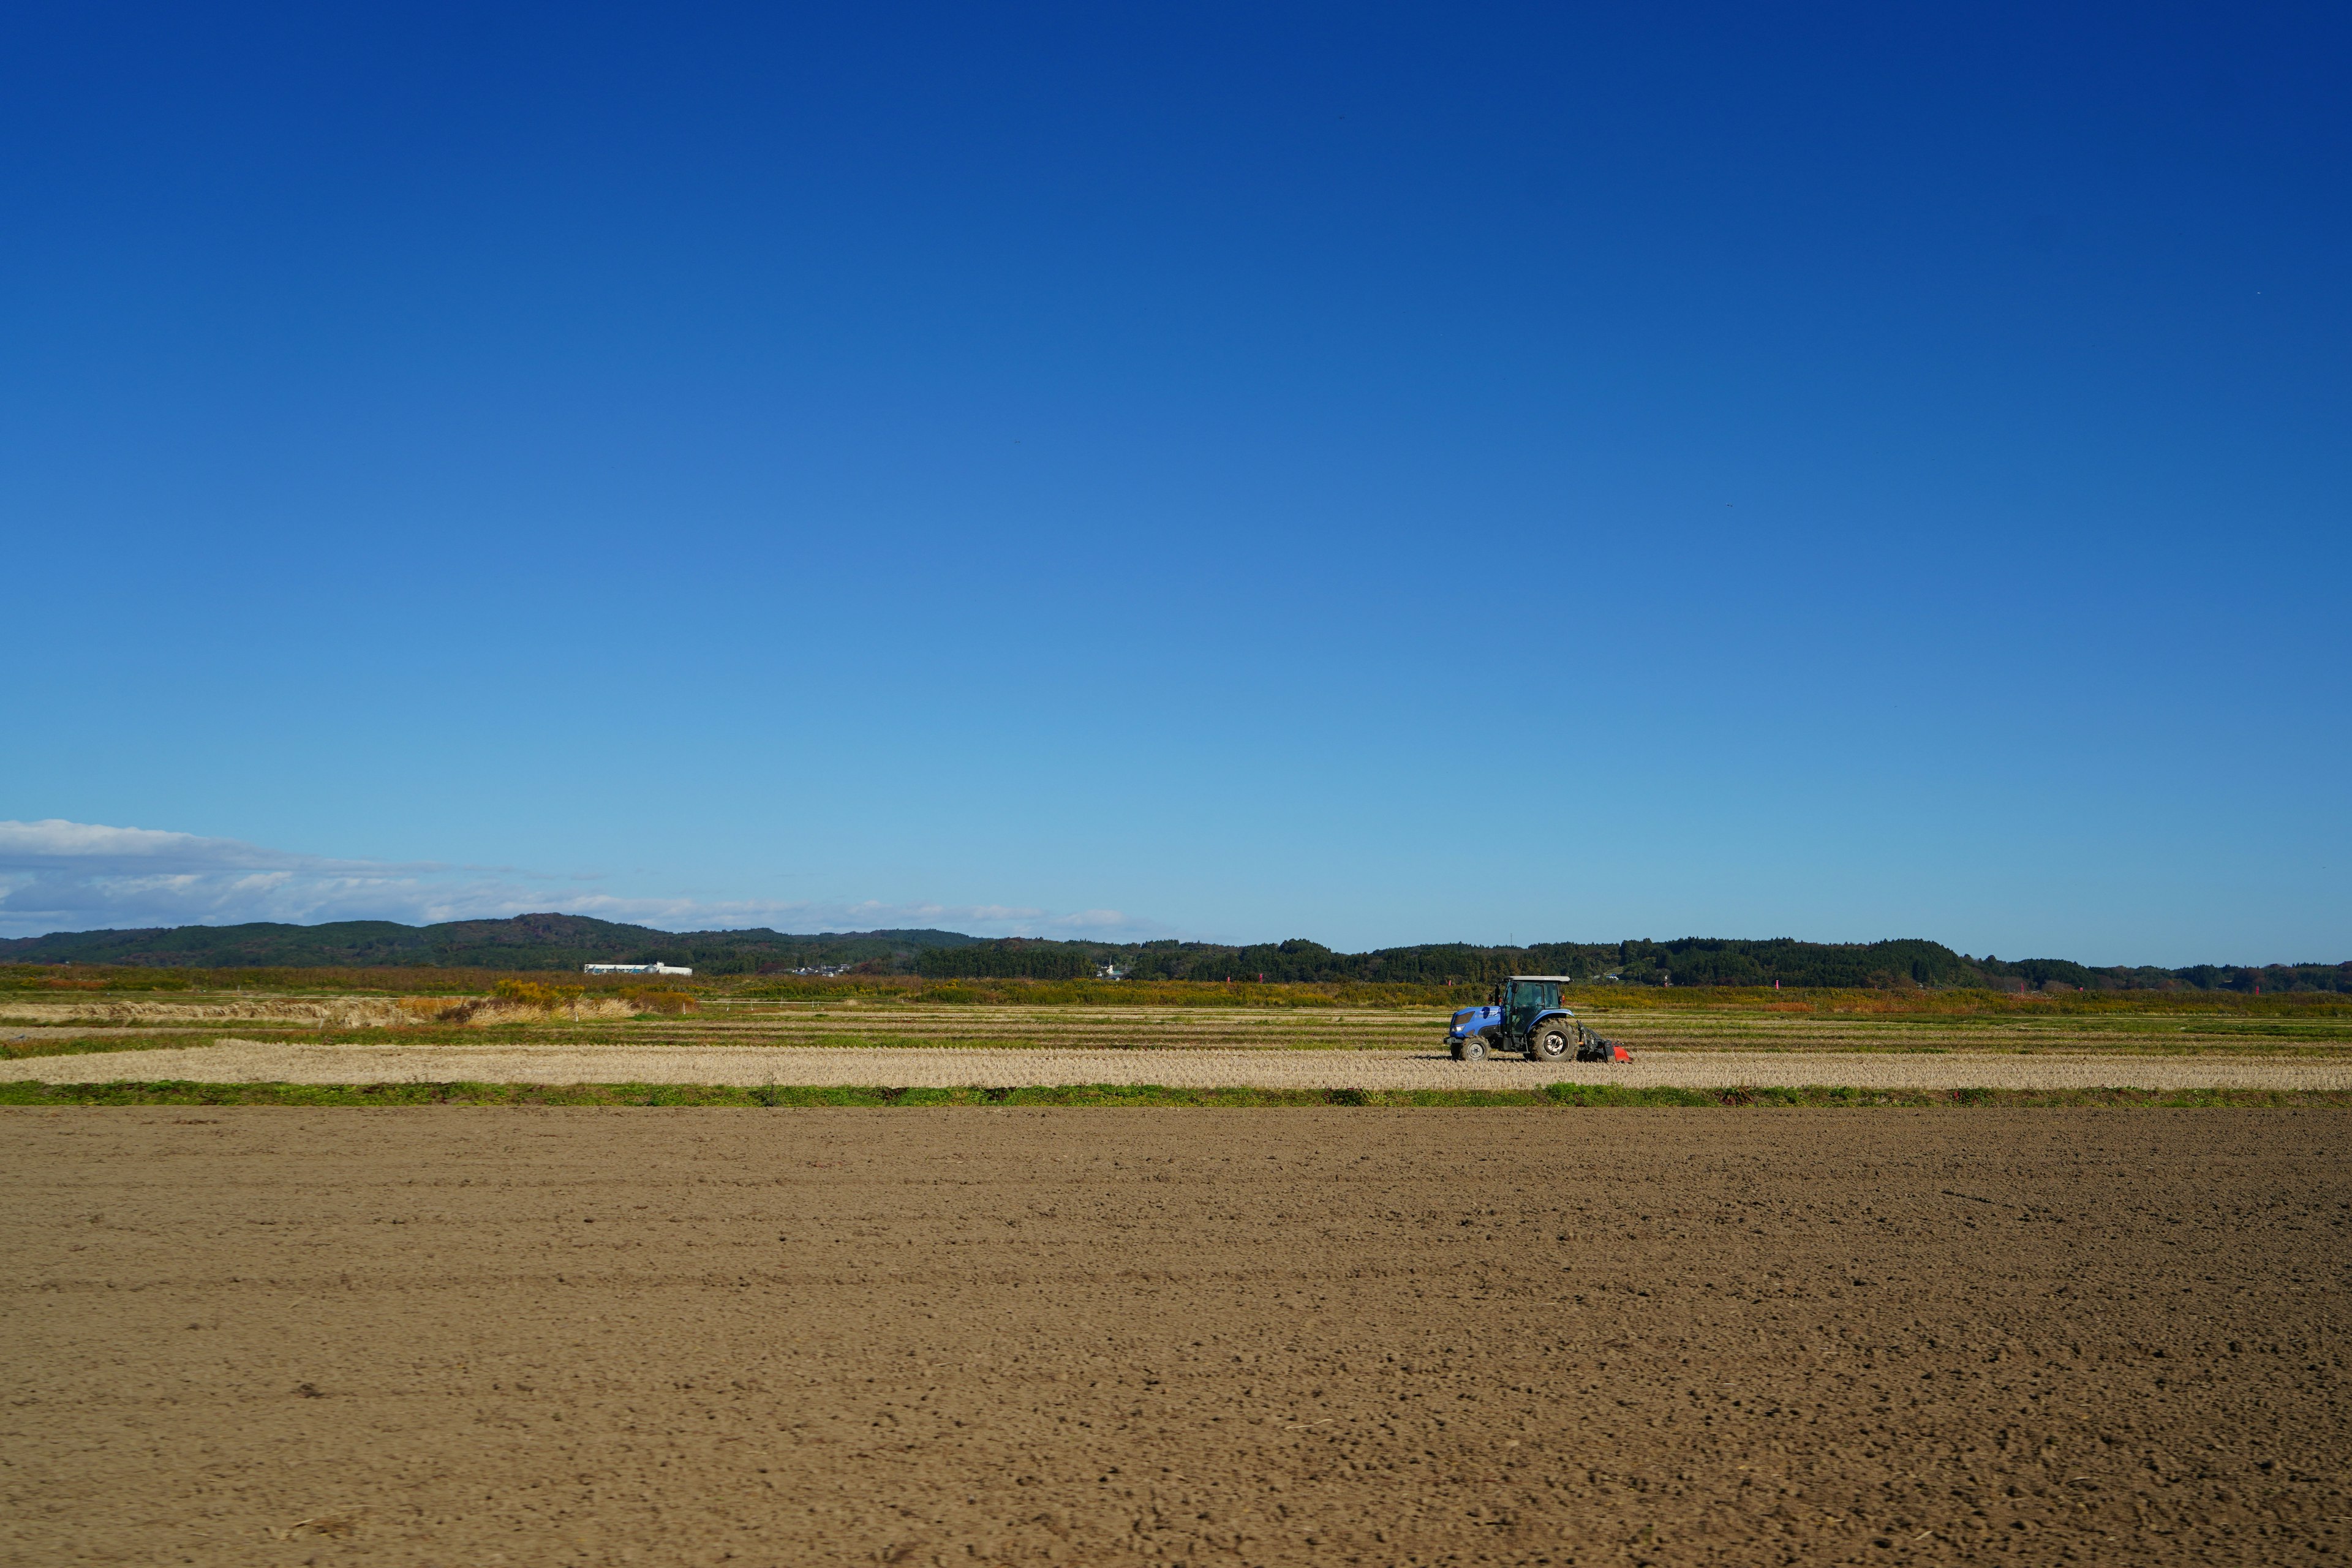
x=1524, y=1014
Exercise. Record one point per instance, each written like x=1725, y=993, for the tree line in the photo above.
x=1685, y=961
x=553, y=942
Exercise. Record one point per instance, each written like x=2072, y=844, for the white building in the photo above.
x=631, y=969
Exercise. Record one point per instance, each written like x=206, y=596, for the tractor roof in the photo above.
x=1563, y=979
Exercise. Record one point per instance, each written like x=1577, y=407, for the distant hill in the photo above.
x=551, y=941
x=525, y=941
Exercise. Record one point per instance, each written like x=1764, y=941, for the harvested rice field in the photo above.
x=379, y=1059
x=466, y=1336
x=2323, y=1028
x=897, y=1040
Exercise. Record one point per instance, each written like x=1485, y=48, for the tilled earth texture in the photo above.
x=470, y=1337
x=280, y=1061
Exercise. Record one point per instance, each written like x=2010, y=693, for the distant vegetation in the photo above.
x=529, y=943
x=524, y=942
x=1686, y=961
x=887, y=992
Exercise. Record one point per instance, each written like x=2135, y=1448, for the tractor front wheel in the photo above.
x=1551, y=1042
x=1472, y=1049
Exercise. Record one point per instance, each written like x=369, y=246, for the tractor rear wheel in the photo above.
x=1553, y=1041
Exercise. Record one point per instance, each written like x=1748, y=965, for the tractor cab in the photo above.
x=1524, y=1014
x=1526, y=998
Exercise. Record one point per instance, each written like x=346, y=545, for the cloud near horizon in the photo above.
x=59, y=876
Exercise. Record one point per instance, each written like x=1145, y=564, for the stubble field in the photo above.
x=2319, y=1028
x=1195, y=1038
x=468, y=1336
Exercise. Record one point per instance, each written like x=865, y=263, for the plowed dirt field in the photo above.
x=369, y=1062
x=469, y=1336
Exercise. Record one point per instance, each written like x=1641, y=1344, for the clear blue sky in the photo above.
x=1379, y=474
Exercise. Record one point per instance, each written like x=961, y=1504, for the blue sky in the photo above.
x=1371, y=473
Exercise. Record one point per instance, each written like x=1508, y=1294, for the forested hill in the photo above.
x=1689, y=960
x=551, y=941
x=526, y=942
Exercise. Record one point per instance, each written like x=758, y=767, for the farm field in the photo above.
x=363, y=1061
x=463, y=1336
x=2319, y=1028
x=1285, y=1038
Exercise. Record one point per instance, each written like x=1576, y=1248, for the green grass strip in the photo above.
x=786, y=1097
x=17, y=1050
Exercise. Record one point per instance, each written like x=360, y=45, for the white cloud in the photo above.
x=77, y=876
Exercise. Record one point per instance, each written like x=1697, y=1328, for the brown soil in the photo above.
x=363, y=1061
x=466, y=1337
